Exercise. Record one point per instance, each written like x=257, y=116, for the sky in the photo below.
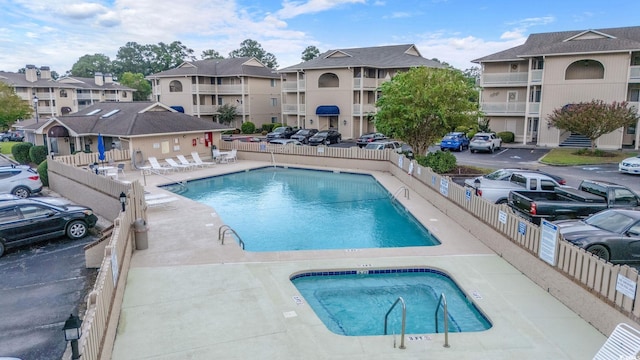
x=57, y=33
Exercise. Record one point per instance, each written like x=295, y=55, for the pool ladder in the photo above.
x=442, y=301
x=222, y=231
x=405, y=192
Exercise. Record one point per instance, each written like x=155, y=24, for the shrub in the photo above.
x=269, y=127
x=20, y=152
x=440, y=161
x=43, y=171
x=38, y=154
x=507, y=136
x=248, y=128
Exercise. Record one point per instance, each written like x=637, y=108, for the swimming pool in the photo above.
x=281, y=209
x=354, y=302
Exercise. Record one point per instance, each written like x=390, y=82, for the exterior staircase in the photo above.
x=576, y=140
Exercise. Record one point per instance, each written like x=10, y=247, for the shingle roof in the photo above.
x=244, y=66
x=90, y=83
x=135, y=119
x=20, y=80
x=622, y=39
x=384, y=57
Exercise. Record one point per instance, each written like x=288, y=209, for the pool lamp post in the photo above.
x=72, y=332
x=123, y=200
x=35, y=105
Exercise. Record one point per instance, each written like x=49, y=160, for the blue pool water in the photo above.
x=354, y=302
x=281, y=209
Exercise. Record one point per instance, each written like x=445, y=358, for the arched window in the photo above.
x=175, y=86
x=328, y=80
x=584, y=69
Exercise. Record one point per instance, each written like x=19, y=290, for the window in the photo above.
x=63, y=93
x=547, y=185
x=634, y=95
x=624, y=197
x=220, y=102
x=273, y=82
x=274, y=101
x=175, y=86
x=512, y=96
x=124, y=94
x=9, y=214
x=32, y=211
x=584, y=69
x=328, y=80
x=274, y=119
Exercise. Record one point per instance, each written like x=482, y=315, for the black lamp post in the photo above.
x=123, y=200
x=35, y=105
x=72, y=332
x=476, y=185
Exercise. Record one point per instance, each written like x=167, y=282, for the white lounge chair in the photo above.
x=183, y=160
x=162, y=201
x=623, y=343
x=155, y=165
x=175, y=165
x=197, y=160
x=232, y=156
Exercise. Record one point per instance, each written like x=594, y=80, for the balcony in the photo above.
x=206, y=109
x=367, y=83
x=111, y=97
x=636, y=105
x=634, y=74
x=292, y=86
x=534, y=109
x=216, y=89
x=85, y=96
x=506, y=79
x=536, y=76
x=504, y=108
x=363, y=109
x=293, y=109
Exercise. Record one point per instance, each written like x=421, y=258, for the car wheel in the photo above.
x=5, y=140
x=472, y=151
x=339, y=140
x=21, y=192
x=460, y=148
x=501, y=201
x=491, y=149
x=327, y=142
x=1, y=247
x=76, y=229
x=600, y=251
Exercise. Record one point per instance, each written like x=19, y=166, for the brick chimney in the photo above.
x=31, y=73
x=45, y=73
x=108, y=78
x=99, y=80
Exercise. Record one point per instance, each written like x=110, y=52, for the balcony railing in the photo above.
x=367, y=83
x=216, y=89
x=536, y=76
x=290, y=86
x=634, y=73
x=507, y=79
x=534, y=108
x=84, y=96
x=636, y=105
x=503, y=108
x=363, y=109
x=293, y=109
x=111, y=97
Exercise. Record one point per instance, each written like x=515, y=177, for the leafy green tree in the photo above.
x=251, y=48
x=12, y=107
x=422, y=104
x=311, y=52
x=88, y=65
x=169, y=56
x=593, y=119
x=134, y=58
x=138, y=82
x=226, y=113
x=150, y=59
x=210, y=54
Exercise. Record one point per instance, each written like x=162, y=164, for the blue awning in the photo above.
x=327, y=110
x=178, y=108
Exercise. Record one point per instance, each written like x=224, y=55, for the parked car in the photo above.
x=282, y=132
x=485, y=142
x=241, y=138
x=505, y=175
x=285, y=142
x=367, y=138
x=11, y=136
x=20, y=180
x=303, y=135
x=611, y=234
x=24, y=222
x=57, y=201
x=326, y=137
x=381, y=145
x=454, y=141
x=497, y=191
x=630, y=165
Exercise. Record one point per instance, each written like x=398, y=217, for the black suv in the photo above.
x=11, y=136
x=24, y=222
x=303, y=135
x=282, y=132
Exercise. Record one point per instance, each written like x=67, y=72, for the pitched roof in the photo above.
x=243, y=66
x=15, y=79
x=383, y=57
x=20, y=80
x=138, y=118
x=591, y=41
x=90, y=83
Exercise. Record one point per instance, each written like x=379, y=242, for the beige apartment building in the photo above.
x=63, y=96
x=199, y=88
x=339, y=88
x=521, y=86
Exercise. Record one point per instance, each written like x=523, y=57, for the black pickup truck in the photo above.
x=590, y=197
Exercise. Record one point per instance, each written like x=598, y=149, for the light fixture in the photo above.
x=311, y=121
x=52, y=154
x=344, y=122
x=35, y=105
x=72, y=332
x=123, y=200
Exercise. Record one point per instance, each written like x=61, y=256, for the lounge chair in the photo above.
x=183, y=160
x=155, y=165
x=218, y=156
x=175, y=165
x=197, y=160
x=161, y=201
x=232, y=156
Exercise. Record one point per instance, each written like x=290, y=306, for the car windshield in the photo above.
x=303, y=132
x=611, y=221
x=449, y=137
x=480, y=138
x=279, y=130
x=498, y=174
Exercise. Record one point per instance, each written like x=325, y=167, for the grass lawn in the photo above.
x=5, y=147
x=567, y=157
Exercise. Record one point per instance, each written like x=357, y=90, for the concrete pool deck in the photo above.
x=190, y=297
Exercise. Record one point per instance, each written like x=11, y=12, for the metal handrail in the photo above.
x=404, y=319
x=443, y=301
x=182, y=183
x=222, y=231
x=406, y=192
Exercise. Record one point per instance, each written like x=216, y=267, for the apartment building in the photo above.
x=63, y=96
x=521, y=86
x=199, y=88
x=339, y=88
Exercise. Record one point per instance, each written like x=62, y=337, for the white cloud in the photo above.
x=291, y=9
x=82, y=10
